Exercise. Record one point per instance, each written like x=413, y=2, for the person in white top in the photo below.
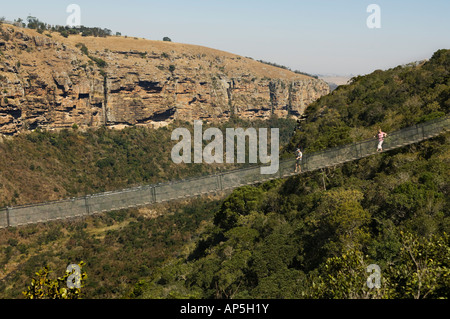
x=381, y=135
x=298, y=159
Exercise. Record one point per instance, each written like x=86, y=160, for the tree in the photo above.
x=422, y=269
x=19, y=23
x=64, y=33
x=34, y=23
x=345, y=277
x=340, y=225
x=240, y=203
x=42, y=287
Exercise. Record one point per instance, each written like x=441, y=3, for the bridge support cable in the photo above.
x=163, y=192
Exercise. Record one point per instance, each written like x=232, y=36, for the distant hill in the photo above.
x=335, y=80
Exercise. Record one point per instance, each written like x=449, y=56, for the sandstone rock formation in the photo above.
x=53, y=82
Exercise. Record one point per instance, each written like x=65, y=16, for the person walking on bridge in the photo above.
x=298, y=160
x=381, y=135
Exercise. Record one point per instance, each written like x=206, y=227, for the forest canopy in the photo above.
x=314, y=235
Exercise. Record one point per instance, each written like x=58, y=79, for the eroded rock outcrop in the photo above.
x=47, y=81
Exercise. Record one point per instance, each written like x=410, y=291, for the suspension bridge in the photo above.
x=150, y=194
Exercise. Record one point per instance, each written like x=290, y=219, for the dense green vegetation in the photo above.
x=118, y=248
x=36, y=24
x=313, y=236
x=309, y=236
x=301, y=238
x=390, y=100
x=47, y=165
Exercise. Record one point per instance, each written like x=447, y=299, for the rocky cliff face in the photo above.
x=53, y=82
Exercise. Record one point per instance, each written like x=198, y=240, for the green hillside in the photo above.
x=309, y=236
x=313, y=235
x=283, y=239
x=45, y=165
x=118, y=247
x=390, y=100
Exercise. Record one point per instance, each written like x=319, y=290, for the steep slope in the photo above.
x=50, y=81
x=44, y=165
x=390, y=100
x=314, y=235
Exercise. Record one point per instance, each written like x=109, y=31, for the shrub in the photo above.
x=43, y=287
x=83, y=48
x=100, y=62
x=64, y=33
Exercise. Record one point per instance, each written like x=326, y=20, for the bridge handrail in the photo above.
x=193, y=186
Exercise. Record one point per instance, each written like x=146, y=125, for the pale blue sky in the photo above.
x=320, y=36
